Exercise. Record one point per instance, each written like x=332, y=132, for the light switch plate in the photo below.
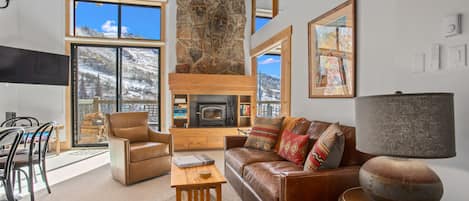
x=452, y=25
x=435, y=58
x=457, y=56
x=419, y=63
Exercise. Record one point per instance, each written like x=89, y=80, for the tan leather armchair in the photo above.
x=137, y=152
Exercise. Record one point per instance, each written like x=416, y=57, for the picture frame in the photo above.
x=332, y=53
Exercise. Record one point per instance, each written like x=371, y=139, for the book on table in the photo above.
x=193, y=161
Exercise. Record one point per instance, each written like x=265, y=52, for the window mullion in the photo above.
x=119, y=21
x=118, y=79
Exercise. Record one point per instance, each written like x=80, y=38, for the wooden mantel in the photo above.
x=211, y=84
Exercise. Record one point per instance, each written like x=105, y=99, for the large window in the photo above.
x=114, y=75
x=108, y=20
x=113, y=79
x=268, y=85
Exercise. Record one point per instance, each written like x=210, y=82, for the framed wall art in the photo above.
x=332, y=57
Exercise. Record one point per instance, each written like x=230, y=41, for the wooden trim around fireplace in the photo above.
x=211, y=84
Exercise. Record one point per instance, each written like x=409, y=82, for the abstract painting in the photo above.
x=332, y=53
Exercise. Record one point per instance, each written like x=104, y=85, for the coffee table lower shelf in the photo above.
x=197, y=188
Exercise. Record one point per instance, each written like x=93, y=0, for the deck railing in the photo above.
x=268, y=108
x=87, y=106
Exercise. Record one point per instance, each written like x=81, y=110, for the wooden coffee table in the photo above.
x=198, y=189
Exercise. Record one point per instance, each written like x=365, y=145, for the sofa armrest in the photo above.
x=324, y=185
x=120, y=158
x=234, y=141
x=166, y=138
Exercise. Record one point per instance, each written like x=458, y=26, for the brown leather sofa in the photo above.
x=133, y=161
x=258, y=175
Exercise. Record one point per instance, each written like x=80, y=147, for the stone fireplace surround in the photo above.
x=210, y=36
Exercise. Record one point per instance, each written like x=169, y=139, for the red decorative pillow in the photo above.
x=293, y=147
x=320, y=153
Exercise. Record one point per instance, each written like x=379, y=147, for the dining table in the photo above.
x=29, y=130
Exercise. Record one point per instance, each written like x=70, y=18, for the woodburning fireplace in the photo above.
x=212, y=115
x=207, y=107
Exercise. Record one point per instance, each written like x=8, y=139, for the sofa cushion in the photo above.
x=327, y=151
x=133, y=134
x=264, y=177
x=140, y=151
x=264, y=133
x=238, y=158
x=293, y=147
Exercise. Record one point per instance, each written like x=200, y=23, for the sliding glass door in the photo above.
x=112, y=79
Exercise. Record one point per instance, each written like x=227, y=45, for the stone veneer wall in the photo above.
x=210, y=36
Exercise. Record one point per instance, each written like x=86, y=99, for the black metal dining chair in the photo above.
x=9, y=137
x=38, y=146
x=20, y=121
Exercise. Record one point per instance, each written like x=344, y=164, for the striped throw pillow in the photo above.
x=320, y=153
x=264, y=133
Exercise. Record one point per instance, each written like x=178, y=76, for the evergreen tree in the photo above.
x=98, y=89
x=82, y=93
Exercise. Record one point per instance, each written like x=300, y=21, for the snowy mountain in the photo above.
x=97, y=71
x=269, y=87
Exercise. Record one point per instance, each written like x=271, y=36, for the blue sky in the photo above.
x=269, y=64
x=142, y=21
x=260, y=22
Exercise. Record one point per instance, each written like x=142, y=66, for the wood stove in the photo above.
x=212, y=114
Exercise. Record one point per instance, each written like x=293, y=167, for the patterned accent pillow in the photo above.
x=287, y=124
x=322, y=148
x=293, y=147
x=301, y=127
x=264, y=133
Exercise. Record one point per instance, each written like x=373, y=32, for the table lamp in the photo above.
x=400, y=129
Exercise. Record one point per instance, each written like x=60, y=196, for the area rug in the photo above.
x=98, y=185
x=71, y=157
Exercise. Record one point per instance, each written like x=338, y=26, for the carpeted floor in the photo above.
x=97, y=185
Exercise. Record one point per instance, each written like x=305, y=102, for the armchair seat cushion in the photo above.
x=239, y=157
x=264, y=177
x=140, y=151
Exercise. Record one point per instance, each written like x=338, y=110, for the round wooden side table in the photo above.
x=353, y=194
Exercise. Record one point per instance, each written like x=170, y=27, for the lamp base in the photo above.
x=398, y=179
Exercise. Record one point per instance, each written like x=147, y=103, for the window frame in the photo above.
x=258, y=101
x=254, y=13
x=71, y=39
x=74, y=87
x=119, y=20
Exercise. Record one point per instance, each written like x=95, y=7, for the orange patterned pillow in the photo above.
x=293, y=147
x=322, y=148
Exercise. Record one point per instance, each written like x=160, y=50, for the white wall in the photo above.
x=35, y=25
x=390, y=33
